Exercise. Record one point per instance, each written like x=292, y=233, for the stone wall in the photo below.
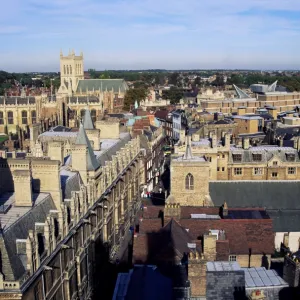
x=200, y=172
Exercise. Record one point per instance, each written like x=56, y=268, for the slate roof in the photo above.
x=14, y=264
x=18, y=100
x=143, y=283
x=87, y=120
x=285, y=220
x=82, y=139
x=110, y=147
x=267, y=153
x=102, y=84
x=269, y=194
x=70, y=181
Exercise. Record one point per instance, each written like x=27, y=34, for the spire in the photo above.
x=87, y=120
x=82, y=139
x=188, y=151
x=61, y=53
x=241, y=94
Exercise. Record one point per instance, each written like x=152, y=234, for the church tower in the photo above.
x=71, y=71
x=189, y=179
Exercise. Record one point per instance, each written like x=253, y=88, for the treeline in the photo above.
x=291, y=82
x=9, y=80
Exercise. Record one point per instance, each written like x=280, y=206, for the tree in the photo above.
x=173, y=78
x=219, y=81
x=132, y=95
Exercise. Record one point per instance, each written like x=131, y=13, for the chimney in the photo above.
x=23, y=188
x=56, y=151
x=213, y=140
x=246, y=143
x=197, y=274
x=209, y=246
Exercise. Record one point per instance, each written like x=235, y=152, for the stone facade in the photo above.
x=79, y=210
x=244, y=162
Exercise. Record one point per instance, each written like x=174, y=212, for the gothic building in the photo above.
x=65, y=207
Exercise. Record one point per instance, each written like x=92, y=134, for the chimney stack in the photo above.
x=23, y=188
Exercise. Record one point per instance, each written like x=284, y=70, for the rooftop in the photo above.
x=10, y=213
x=261, y=278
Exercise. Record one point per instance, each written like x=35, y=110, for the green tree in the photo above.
x=132, y=95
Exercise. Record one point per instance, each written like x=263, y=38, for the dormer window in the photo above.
x=290, y=157
x=257, y=157
x=275, y=163
x=237, y=157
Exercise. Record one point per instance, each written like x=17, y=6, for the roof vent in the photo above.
x=4, y=208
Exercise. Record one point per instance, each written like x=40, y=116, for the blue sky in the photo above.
x=136, y=34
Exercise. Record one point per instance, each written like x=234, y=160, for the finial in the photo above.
x=225, y=205
x=61, y=53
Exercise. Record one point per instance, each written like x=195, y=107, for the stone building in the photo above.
x=67, y=105
x=64, y=209
x=242, y=161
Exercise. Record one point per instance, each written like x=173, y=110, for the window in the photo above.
x=291, y=170
x=275, y=163
x=10, y=117
x=256, y=157
x=258, y=171
x=33, y=117
x=237, y=157
x=218, y=169
x=274, y=174
x=238, y=171
x=232, y=257
x=223, y=155
x=24, y=117
x=189, y=182
x=223, y=169
x=1, y=118
x=290, y=157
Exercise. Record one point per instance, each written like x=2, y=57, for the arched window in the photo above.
x=24, y=117
x=33, y=117
x=67, y=69
x=10, y=117
x=1, y=118
x=71, y=70
x=93, y=115
x=189, y=182
x=64, y=70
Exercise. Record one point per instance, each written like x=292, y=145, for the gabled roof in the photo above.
x=87, y=120
x=82, y=139
x=102, y=84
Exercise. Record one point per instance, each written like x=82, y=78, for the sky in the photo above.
x=150, y=34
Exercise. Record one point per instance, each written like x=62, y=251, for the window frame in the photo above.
x=232, y=258
x=258, y=171
x=238, y=171
x=189, y=182
x=292, y=171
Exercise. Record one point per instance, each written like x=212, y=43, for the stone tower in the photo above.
x=71, y=70
x=190, y=179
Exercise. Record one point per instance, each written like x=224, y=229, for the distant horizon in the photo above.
x=144, y=34
x=162, y=70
